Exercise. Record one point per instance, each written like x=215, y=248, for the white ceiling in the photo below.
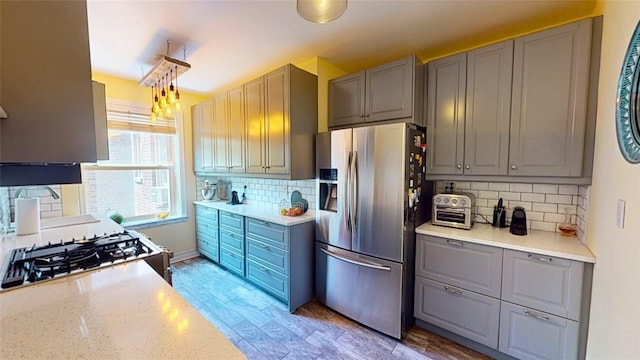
x=228, y=42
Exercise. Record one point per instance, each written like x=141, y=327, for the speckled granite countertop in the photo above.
x=260, y=213
x=539, y=242
x=118, y=312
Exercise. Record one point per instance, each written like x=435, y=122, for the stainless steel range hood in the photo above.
x=22, y=174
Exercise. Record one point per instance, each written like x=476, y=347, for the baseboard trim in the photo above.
x=184, y=255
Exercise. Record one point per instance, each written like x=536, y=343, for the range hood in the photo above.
x=22, y=174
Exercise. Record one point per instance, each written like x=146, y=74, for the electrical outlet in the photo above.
x=620, y=213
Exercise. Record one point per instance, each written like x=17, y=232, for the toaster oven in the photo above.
x=454, y=210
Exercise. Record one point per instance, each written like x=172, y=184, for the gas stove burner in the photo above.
x=52, y=260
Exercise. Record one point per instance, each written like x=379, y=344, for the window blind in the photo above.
x=131, y=121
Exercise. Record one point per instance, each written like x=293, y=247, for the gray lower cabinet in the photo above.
x=232, y=242
x=207, y=232
x=278, y=259
x=387, y=92
x=531, y=334
x=525, y=305
x=463, y=312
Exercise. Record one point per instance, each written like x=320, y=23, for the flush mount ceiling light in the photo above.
x=321, y=11
x=165, y=97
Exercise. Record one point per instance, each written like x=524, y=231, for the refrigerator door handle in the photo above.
x=371, y=265
x=347, y=202
x=354, y=189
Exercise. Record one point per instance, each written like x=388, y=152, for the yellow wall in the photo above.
x=614, y=331
x=177, y=237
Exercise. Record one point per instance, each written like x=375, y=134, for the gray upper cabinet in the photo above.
x=202, y=119
x=50, y=107
x=550, y=89
x=391, y=91
x=445, y=114
x=220, y=133
x=488, y=109
x=282, y=120
x=515, y=108
x=228, y=131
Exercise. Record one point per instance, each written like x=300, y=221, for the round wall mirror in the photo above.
x=628, y=108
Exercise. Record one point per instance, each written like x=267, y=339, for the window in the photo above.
x=142, y=178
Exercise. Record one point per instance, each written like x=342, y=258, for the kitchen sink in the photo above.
x=49, y=223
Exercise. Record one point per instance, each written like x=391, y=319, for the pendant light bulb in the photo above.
x=167, y=111
x=153, y=117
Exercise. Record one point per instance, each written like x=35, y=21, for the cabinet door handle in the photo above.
x=361, y=115
x=453, y=290
x=366, y=115
x=267, y=167
x=458, y=166
x=467, y=167
x=537, y=316
x=513, y=167
x=540, y=258
x=455, y=243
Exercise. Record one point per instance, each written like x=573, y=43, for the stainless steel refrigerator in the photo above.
x=372, y=194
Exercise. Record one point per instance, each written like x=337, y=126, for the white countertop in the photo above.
x=260, y=213
x=539, y=242
x=117, y=312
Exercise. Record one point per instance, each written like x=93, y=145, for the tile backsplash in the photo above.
x=545, y=204
x=49, y=207
x=264, y=193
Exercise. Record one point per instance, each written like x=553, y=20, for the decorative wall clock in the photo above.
x=628, y=107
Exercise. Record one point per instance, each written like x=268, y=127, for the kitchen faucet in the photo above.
x=53, y=193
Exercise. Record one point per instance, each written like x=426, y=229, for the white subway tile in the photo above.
x=568, y=189
x=499, y=186
x=506, y=195
x=479, y=186
x=533, y=197
x=535, y=215
x=487, y=211
x=482, y=202
x=584, y=191
x=559, y=199
x=545, y=188
x=571, y=209
x=552, y=217
x=521, y=187
x=460, y=185
x=544, y=226
x=551, y=208
x=488, y=195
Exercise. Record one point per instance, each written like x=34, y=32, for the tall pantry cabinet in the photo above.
x=276, y=127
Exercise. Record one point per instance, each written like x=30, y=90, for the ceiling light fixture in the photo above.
x=164, y=96
x=321, y=11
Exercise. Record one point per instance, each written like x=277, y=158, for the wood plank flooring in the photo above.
x=262, y=328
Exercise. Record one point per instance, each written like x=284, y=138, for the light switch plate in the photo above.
x=620, y=213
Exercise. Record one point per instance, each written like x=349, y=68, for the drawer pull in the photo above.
x=453, y=290
x=537, y=316
x=263, y=246
x=264, y=269
x=540, y=258
x=455, y=243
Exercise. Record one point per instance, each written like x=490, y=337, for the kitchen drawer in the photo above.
x=268, y=279
x=460, y=311
x=268, y=255
x=544, y=283
x=232, y=261
x=268, y=232
x=462, y=264
x=209, y=250
x=232, y=222
x=531, y=334
x=207, y=229
x=232, y=240
x=207, y=215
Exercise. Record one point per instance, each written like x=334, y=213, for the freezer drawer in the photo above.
x=463, y=312
x=363, y=288
x=530, y=334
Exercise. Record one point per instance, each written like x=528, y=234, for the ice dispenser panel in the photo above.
x=328, y=190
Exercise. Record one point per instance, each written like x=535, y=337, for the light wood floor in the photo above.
x=262, y=328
